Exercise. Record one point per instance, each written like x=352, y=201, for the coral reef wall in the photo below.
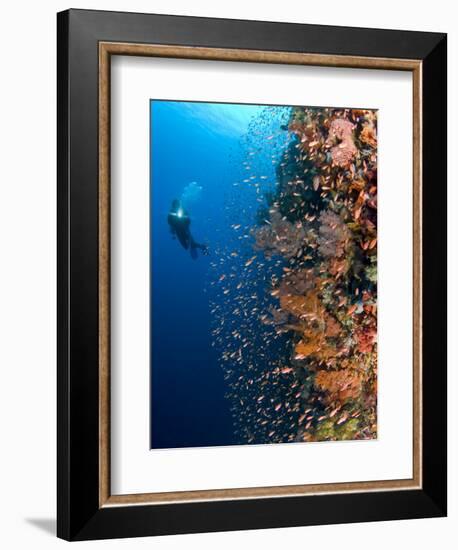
x=294, y=291
x=322, y=221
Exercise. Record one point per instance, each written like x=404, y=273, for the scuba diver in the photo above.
x=179, y=222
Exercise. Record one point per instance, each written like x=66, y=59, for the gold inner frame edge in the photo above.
x=106, y=50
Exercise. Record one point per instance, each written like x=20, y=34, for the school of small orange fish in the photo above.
x=294, y=290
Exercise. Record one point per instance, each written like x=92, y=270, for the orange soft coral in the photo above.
x=368, y=135
x=341, y=385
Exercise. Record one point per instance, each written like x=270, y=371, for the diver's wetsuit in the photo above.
x=179, y=222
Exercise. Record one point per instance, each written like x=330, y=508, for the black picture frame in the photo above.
x=80, y=516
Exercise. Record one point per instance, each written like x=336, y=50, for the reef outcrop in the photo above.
x=322, y=222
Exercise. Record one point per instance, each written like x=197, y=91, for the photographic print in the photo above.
x=263, y=274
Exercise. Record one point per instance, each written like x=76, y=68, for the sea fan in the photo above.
x=334, y=236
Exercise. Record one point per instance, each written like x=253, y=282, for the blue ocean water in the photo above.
x=203, y=154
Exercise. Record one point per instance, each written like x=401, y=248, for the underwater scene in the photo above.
x=263, y=274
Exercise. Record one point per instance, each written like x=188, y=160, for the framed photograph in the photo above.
x=251, y=274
